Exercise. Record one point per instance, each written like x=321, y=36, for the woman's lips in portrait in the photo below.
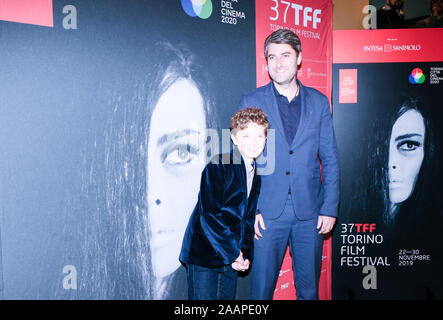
x=395, y=183
x=161, y=237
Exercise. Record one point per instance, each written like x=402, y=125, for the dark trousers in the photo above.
x=211, y=283
x=306, y=250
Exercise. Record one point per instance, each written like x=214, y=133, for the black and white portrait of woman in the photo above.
x=395, y=160
x=401, y=163
x=406, y=154
x=106, y=130
x=169, y=85
x=178, y=150
x=155, y=147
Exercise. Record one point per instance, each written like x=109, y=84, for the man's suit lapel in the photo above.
x=273, y=113
x=304, y=114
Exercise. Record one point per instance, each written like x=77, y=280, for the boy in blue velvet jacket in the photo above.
x=218, y=241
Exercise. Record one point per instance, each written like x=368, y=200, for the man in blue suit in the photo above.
x=295, y=205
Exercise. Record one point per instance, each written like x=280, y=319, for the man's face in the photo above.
x=437, y=5
x=250, y=141
x=396, y=4
x=283, y=62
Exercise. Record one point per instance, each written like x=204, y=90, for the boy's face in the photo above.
x=250, y=141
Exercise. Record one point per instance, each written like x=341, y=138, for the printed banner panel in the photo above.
x=102, y=132
x=387, y=116
x=312, y=22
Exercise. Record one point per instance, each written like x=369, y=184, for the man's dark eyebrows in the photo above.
x=175, y=135
x=282, y=53
x=408, y=135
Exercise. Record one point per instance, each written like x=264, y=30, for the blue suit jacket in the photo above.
x=297, y=165
x=222, y=222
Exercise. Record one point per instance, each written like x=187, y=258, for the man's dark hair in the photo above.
x=283, y=36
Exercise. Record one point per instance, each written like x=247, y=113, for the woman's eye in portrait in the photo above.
x=179, y=154
x=408, y=146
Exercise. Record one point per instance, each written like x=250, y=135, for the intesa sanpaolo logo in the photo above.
x=197, y=8
x=417, y=76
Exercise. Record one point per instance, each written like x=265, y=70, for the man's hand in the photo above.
x=325, y=224
x=258, y=221
x=240, y=264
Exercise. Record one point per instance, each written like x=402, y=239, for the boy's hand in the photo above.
x=258, y=221
x=240, y=264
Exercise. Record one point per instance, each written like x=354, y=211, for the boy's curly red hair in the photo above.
x=242, y=117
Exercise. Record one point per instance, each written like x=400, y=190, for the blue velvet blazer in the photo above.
x=222, y=222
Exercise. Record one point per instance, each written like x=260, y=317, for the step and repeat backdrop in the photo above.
x=311, y=20
x=106, y=107
x=111, y=108
x=387, y=97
